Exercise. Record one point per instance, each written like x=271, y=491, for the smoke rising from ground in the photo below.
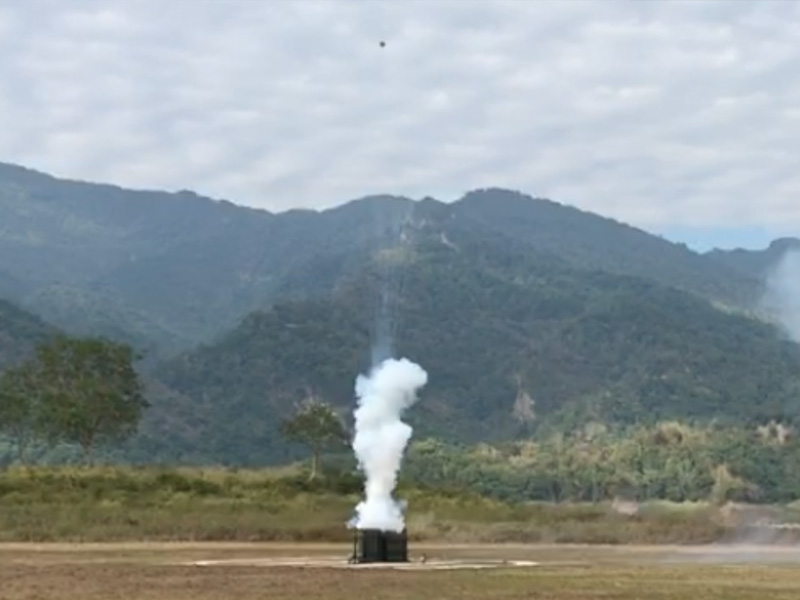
x=782, y=295
x=381, y=438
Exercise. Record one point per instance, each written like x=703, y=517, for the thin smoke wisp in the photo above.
x=381, y=438
x=782, y=297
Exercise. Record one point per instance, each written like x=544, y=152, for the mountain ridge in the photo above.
x=529, y=314
x=173, y=269
x=756, y=263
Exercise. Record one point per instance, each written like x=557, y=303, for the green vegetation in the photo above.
x=115, y=504
x=316, y=425
x=74, y=391
x=20, y=332
x=166, y=271
x=669, y=483
x=515, y=345
x=533, y=320
x=89, y=391
x=596, y=243
x=668, y=461
x=19, y=406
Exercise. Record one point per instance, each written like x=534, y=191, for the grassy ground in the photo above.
x=154, y=572
x=119, y=504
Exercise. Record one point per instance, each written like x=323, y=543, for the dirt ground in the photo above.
x=250, y=571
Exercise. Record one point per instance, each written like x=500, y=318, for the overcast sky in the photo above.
x=681, y=117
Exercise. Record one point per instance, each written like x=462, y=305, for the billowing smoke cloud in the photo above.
x=782, y=296
x=381, y=438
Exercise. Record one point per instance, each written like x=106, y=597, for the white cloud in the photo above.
x=657, y=113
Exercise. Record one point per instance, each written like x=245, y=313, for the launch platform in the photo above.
x=376, y=546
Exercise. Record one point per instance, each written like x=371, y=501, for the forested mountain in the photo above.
x=527, y=314
x=167, y=271
x=512, y=344
x=62, y=240
x=755, y=263
x=20, y=332
x=595, y=242
x=172, y=269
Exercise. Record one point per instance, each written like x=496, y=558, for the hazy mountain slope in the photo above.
x=596, y=242
x=667, y=355
x=86, y=312
x=11, y=287
x=203, y=287
x=505, y=354
x=65, y=231
x=170, y=270
x=20, y=332
x=58, y=238
x=755, y=263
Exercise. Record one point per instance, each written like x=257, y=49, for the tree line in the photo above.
x=667, y=461
x=86, y=392
x=81, y=391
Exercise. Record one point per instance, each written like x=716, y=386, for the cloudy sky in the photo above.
x=682, y=117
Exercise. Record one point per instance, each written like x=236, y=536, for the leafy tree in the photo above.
x=316, y=425
x=19, y=402
x=90, y=391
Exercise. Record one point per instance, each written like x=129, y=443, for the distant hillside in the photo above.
x=527, y=314
x=512, y=343
x=11, y=287
x=755, y=263
x=89, y=312
x=168, y=270
x=20, y=332
x=595, y=242
x=173, y=269
x=62, y=238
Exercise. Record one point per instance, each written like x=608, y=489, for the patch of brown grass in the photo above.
x=110, y=581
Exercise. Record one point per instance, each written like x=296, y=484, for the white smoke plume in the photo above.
x=782, y=297
x=381, y=438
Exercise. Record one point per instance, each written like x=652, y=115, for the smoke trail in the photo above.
x=383, y=336
x=782, y=297
x=381, y=437
x=390, y=244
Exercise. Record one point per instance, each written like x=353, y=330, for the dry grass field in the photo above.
x=147, y=571
x=138, y=534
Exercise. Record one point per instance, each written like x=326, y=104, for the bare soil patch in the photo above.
x=159, y=572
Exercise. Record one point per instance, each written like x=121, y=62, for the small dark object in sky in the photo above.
x=383, y=44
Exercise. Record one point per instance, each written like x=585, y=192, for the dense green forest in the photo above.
x=513, y=346
x=533, y=320
x=669, y=460
x=665, y=461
